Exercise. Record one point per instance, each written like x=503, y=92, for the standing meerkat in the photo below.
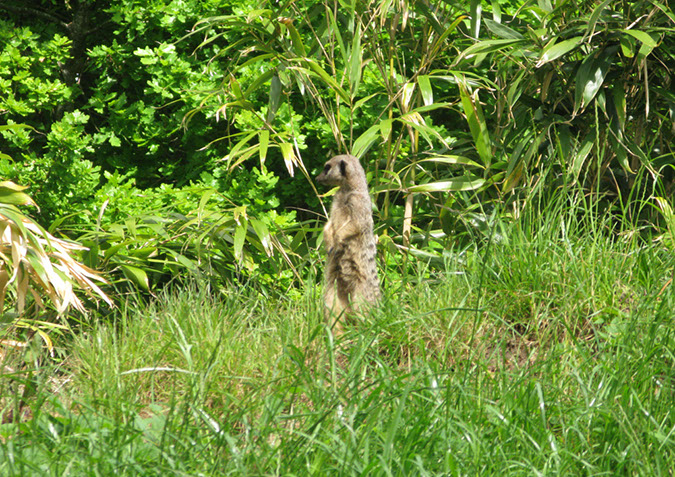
x=351, y=271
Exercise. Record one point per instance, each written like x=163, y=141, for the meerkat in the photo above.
x=351, y=272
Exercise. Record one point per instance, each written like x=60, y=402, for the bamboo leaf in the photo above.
x=365, y=140
x=264, y=235
x=441, y=40
x=591, y=76
x=239, y=236
x=289, y=157
x=259, y=81
x=555, y=50
x=274, y=99
x=263, y=140
x=13, y=194
x=385, y=128
x=464, y=183
x=642, y=36
x=425, y=88
x=296, y=40
x=477, y=125
x=476, y=13
x=451, y=159
x=502, y=31
x=488, y=46
x=136, y=276
x=580, y=157
x=316, y=70
x=355, y=61
x=590, y=27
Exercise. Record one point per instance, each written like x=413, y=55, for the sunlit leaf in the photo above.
x=295, y=37
x=477, y=125
x=289, y=157
x=425, y=88
x=263, y=141
x=641, y=36
x=459, y=184
x=502, y=31
x=274, y=99
x=489, y=46
x=555, y=50
x=591, y=76
x=476, y=13
x=356, y=54
x=363, y=142
x=10, y=193
x=137, y=276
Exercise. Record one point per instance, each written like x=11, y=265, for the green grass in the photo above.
x=540, y=354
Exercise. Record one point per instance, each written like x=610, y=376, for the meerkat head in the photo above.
x=341, y=171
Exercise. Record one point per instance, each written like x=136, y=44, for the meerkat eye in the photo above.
x=326, y=168
x=343, y=168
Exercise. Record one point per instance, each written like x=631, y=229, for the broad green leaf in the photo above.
x=406, y=97
x=642, y=36
x=502, y=31
x=450, y=159
x=415, y=120
x=476, y=13
x=580, y=157
x=243, y=156
x=289, y=157
x=619, y=151
x=459, y=184
x=10, y=193
x=627, y=46
x=136, y=276
x=235, y=150
x=619, y=99
x=385, y=128
x=668, y=11
x=644, y=51
x=355, y=61
x=274, y=99
x=298, y=46
x=259, y=81
x=477, y=125
x=489, y=46
x=441, y=40
x=517, y=163
x=234, y=84
x=365, y=140
x=7, y=127
x=239, y=236
x=545, y=5
x=553, y=51
x=204, y=199
x=263, y=140
x=590, y=27
x=317, y=70
x=264, y=235
x=591, y=76
x=363, y=101
x=338, y=36
x=425, y=88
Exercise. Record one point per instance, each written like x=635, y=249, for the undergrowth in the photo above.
x=536, y=354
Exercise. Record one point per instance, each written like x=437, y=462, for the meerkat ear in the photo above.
x=343, y=168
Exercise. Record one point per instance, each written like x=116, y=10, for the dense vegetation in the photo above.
x=520, y=158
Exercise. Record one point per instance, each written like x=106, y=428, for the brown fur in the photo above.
x=351, y=271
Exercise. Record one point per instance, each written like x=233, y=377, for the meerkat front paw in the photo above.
x=329, y=236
